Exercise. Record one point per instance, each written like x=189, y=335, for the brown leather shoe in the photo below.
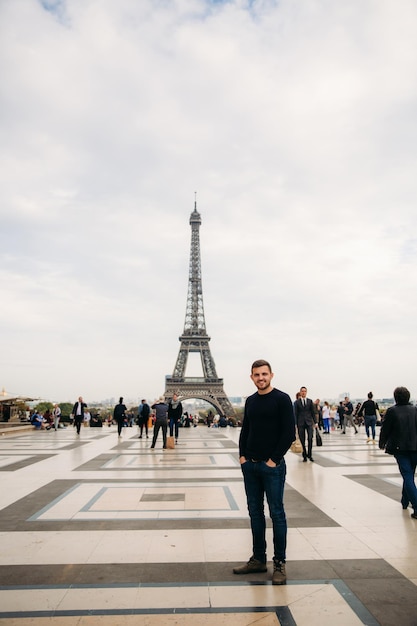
x=253, y=566
x=279, y=577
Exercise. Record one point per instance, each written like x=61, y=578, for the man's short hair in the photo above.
x=401, y=395
x=261, y=363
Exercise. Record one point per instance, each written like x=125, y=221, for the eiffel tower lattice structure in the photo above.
x=195, y=339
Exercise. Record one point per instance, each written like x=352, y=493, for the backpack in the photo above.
x=145, y=411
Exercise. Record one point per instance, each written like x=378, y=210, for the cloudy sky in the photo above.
x=294, y=121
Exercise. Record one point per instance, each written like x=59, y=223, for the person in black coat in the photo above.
x=119, y=414
x=399, y=437
x=174, y=416
x=306, y=420
x=144, y=412
x=78, y=413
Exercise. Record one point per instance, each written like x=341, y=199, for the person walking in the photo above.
x=398, y=437
x=143, y=417
x=306, y=420
x=348, y=416
x=326, y=418
x=78, y=413
x=119, y=414
x=174, y=416
x=161, y=413
x=268, y=430
x=319, y=414
x=368, y=411
x=341, y=415
x=56, y=416
x=333, y=416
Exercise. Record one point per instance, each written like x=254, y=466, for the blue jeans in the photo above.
x=260, y=479
x=370, y=422
x=173, y=427
x=407, y=463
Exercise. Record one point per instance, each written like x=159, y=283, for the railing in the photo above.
x=194, y=380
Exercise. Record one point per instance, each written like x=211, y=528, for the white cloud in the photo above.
x=296, y=124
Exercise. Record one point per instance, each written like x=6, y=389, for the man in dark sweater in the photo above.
x=268, y=431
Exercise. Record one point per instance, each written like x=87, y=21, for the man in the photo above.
x=399, y=437
x=369, y=410
x=78, y=413
x=174, y=416
x=144, y=411
x=306, y=420
x=161, y=417
x=268, y=430
x=348, y=411
x=119, y=414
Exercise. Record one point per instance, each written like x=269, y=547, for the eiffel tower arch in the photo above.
x=195, y=339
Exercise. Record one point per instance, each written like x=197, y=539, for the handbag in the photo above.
x=296, y=446
x=170, y=443
x=319, y=440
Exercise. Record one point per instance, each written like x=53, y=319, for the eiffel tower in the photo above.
x=195, y=339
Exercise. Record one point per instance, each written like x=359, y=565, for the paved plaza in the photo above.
x=97, y=530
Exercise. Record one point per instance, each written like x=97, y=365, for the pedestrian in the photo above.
x=348, y=417
x=326, y=418
x=87, y=418
x=319, y=414
x=119, y=414
x=356, y=417
x=78, y=413
x=161, y=415
x=341, y=414
x=268, y=430
x=56, y=415
x=306, y=420
x=333, y=417
x=399, y=437
x=143, y=417
x=174, y=416
x=369, y=409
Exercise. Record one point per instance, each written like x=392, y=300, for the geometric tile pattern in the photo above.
x=94, y=529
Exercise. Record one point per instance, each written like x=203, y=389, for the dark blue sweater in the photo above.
x=268, y=428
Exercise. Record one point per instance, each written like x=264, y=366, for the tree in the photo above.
x=44, y=406
x=66, y=408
